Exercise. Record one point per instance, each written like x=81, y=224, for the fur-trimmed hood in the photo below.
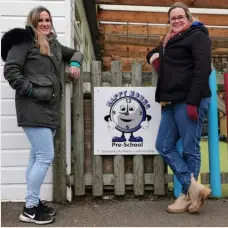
x=13, y=37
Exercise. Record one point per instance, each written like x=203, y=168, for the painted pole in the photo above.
x=226, y=99
x=213, y=140
x=176, y=184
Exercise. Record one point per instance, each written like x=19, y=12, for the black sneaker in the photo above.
x=47, y=210
x=35, y=215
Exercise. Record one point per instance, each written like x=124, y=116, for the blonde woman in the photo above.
x=33, y=58
x=184, y=58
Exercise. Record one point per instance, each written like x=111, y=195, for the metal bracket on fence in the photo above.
x=70, y=180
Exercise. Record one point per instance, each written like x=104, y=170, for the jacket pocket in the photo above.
x=42, y=87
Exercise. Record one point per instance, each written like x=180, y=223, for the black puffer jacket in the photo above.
x=185, y=67
x=35, y=77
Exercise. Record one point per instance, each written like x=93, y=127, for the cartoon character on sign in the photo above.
x=127, y=115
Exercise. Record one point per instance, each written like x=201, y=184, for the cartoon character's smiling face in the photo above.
x=127, y=113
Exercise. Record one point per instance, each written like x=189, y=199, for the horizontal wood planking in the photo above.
x=220, y=4
x=136, y=51
x=149, y=179
x=155, y=17
x=15, y=192
x=108, y=179
x=9, y=124
x=6, y=91
x=16, y=175
x=150, y=41
x=8, y=107
x=205, y=178
x=151, y=30
x=14, y=158
x=13, y=141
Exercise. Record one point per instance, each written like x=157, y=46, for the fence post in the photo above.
x=159, y=165
x=119, y=171
x=78, y=136
x=59, y=163
x=213, y=140
x=97, y=159
x=138, y=160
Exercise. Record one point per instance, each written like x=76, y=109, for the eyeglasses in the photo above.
x=179, y=18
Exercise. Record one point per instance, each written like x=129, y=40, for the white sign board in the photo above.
x=126, y=120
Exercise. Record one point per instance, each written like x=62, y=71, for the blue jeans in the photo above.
x=175, y=124
x=41, y=157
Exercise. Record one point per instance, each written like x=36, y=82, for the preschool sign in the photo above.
x=126, y=120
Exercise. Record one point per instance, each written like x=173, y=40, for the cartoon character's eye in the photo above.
x=131, y=108
x=122, y=108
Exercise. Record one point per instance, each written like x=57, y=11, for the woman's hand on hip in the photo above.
x=75, y=72
x=153, y=57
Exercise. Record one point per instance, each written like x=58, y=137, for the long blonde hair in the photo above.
x=32, y=21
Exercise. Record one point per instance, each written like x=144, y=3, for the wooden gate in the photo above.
x=118, y=173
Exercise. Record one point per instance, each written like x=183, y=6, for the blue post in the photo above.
x=176, y=184
x=213, y=140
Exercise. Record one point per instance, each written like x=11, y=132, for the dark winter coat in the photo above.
x=36, y=78
x=185, y=67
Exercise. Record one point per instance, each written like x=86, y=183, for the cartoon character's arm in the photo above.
x=145, y=124
x=111, y=124
x=148, y=117
x=107, y=118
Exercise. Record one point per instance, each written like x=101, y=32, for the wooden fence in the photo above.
x=95, y=173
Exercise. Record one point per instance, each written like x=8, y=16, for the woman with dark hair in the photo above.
x=33, y=59
x=183, y=63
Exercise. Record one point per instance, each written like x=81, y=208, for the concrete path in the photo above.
x=126, y=212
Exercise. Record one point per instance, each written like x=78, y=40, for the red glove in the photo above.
x=156, y=64
x=192, y=112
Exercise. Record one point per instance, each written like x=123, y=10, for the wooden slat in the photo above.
x=140, y=52
x=97, y=159
x=149, y=179
x=119, y=171
x=159, y=166
x=219, y=43
x=138, y=160
x=128, y=178
x=155, y=17
x=150, y=41
x=156, y=30
x=205, y=178
x=78, y=136
x=220, y=4
x=159, y=173
x=136, y=40
x=59, y=163
x=126, y=50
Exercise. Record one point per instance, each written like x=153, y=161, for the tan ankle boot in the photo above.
x=180, y=205
x=198, y=193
